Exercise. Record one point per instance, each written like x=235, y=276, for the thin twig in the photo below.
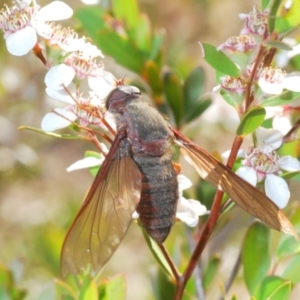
x=167, y=256
x=205, y=234
x=291, y=131
x=198, y=270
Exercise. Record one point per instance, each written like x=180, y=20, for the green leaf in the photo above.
x=92, y=19
x=192, y=90
x=157, y=253
x=287, y=246
x=295, y=62
x=142, y=34
x=228, y=97
x=279, y=45
x=163, y=287
x=93, y=170
x=63, y=290
x=255, y=255
x=124, y=50
x=121, y=48
x=126, y=11
x=210, y=271
x=291, y=271
x=113, y=288
x=219, y=61
x=251, y=120
x=8, y=287
x=282, y=99
x=274, y=288
x=156, y=49
x=88, y=290
x=290, y=175
x=287, y=18
x=272, y=15
x=152, y=76
x=290, y=148
x=193, y=87
x=265, y=3
x=199, y=108
x=53, y=134
x=174, y=96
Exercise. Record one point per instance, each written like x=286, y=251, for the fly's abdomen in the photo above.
x=157, y=207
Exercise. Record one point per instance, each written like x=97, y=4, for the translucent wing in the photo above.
x=241, y=192
x=104, y=217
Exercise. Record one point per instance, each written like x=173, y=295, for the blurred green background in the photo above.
x=39, y=199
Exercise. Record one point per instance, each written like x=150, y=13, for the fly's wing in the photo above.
x=241, y=192
x=105, y=215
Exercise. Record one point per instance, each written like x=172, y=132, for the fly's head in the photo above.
x=118, y=98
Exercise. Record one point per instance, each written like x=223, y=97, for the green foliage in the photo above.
x=219, y=61
x=136, y=46
x=210, y=271
x=157, y=253
x=285, y=98
x=251, y=121
x=275, y=288
x=256, y=255
x=128, y=36
x=8, y=287
x=114, y=288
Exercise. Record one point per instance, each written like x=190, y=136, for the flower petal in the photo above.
x=292, y=83
x=189, y=211
x=248, y=174
x=271, y=137
x=277, y=190
x=59, y=76
x=282, y=123
x=183, y=182
x=102, y=84
x=55, y=11
x=63, y=95
x=225, y=155
x=87, y=162
x=22, y=41
x=289, y=163
x=53, y=121
x=270, y=87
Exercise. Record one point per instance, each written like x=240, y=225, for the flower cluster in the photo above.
x=258, y=80
x=247, y=51
x=75, y=77
x=69, y=58
x=262, y=164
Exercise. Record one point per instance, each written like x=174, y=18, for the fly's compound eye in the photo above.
x=118, y=97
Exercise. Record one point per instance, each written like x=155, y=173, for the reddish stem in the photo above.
x=205, y=234
x=174, y=269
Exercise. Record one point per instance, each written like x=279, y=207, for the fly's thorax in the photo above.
x=147, y=130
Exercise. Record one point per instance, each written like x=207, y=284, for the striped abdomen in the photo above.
x=157, y=207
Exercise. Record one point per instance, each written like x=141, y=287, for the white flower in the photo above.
x=20, y=23
x=59, y=77
x=58, y=119
x=102, y=84
x=188, y=210
x=264, y=164
x=256, y=22
x=283, y=115
x=87, y=162
x=65, y=38
x=273, y=81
